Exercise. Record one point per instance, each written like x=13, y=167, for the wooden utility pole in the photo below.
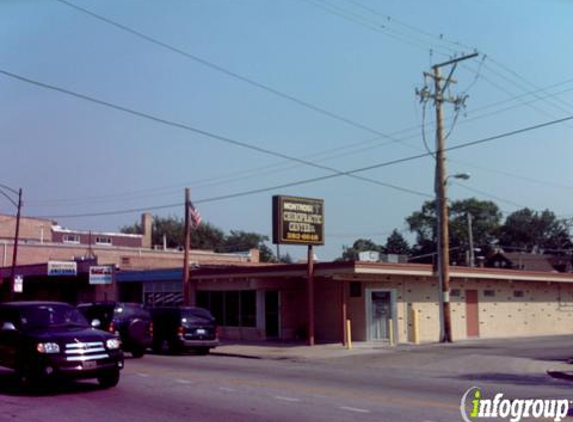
x=472, y=258
x=15, y=249
x=310, y=295
x=440, y=186
x=186, y=284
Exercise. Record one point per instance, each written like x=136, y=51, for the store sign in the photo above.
x=62, y=268
x=18, y=284
x=101, y=275
x=298, y=220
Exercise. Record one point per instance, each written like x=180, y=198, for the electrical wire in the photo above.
x=358, y=143
x=327, y=177
x=205, y=133
x=227, y=72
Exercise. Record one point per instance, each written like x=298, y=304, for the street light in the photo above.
x=444, y=256
x=4, y=190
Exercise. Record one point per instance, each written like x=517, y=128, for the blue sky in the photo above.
x=358, y=59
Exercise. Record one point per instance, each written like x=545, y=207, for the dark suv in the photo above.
x=49, y=340
x=178, y=328
x=131, y=321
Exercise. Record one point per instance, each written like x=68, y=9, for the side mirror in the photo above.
x=96, y=323
x=8, y=326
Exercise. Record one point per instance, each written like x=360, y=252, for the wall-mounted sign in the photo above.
x=101, y=275
x=62, y=268
x=18, y=284
x=298, y=220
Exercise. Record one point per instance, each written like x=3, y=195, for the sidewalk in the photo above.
x=451, y=359
x=297, y=351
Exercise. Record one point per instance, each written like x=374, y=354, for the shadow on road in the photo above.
x=514, y=379
x=9, y=387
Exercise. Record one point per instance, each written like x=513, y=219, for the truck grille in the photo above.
x=79, y=352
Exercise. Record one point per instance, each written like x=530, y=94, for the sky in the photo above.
x=240, y=100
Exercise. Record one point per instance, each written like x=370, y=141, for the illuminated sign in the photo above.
x=101, y=275
x=62, y=268
x=298, y=220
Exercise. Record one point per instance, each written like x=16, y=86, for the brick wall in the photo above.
x=30, y=228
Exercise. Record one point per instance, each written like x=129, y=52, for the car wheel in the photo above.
x=202, y=351
x=108, y=379
x=137, y=352
x=162, y=347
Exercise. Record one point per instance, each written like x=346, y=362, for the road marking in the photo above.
x=355, y=409
x=227, y=389
x=283, y=398
x=143, y=375
x=180, y=381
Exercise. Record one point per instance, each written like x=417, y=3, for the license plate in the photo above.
x=201, y=331
x=89, y=364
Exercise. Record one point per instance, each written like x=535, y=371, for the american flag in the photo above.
x=194, y=215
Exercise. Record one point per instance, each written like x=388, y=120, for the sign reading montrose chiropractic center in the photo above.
x=298, y=220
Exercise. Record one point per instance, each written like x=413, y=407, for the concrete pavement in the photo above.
x=538, y=356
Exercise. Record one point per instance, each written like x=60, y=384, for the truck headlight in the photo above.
x=113, y=344
x=48, y=348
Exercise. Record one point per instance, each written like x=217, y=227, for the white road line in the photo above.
x=143, y=375
x=354, y=409
x=227, y=389
x=180, y=381
x=283, y=398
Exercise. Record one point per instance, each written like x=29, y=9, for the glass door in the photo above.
x=380, y=313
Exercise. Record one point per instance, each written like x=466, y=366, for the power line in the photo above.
x=228, y=72
x=330, y=176
x=406, y=130
x=202, y=132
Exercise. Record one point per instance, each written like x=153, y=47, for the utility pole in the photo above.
x=16, y=239
x=440, y=186
x=186, y=284
x=471, y=241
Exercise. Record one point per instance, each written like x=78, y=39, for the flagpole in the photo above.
x=186, y=285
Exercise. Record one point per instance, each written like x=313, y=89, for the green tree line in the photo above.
x=206, y=236
x=523, y=230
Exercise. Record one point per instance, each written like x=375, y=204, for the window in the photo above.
x=248, y=308
x=103, y=240
x=71, y=238
x=455, y=293
x=231, y=308
x=489, y=293
x=518, y=293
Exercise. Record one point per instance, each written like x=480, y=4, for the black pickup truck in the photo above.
x=52, y=340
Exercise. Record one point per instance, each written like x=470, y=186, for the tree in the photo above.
x=535, y=231
x=396, y=244
x=239, y=240
x=206, y=236
x=486, y=219
x=360, y=245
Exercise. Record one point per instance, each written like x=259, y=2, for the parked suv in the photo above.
x=131, y=321
x=52, y=340
x=178, y=328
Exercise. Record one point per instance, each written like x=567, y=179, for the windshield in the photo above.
x=53, y=315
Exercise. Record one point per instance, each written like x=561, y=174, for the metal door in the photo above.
x=472, y=313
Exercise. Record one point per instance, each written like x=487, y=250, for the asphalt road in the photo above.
x=229, y=389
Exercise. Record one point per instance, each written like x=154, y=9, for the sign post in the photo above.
x=300, y=221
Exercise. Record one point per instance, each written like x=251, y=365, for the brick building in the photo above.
x=43, y=242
